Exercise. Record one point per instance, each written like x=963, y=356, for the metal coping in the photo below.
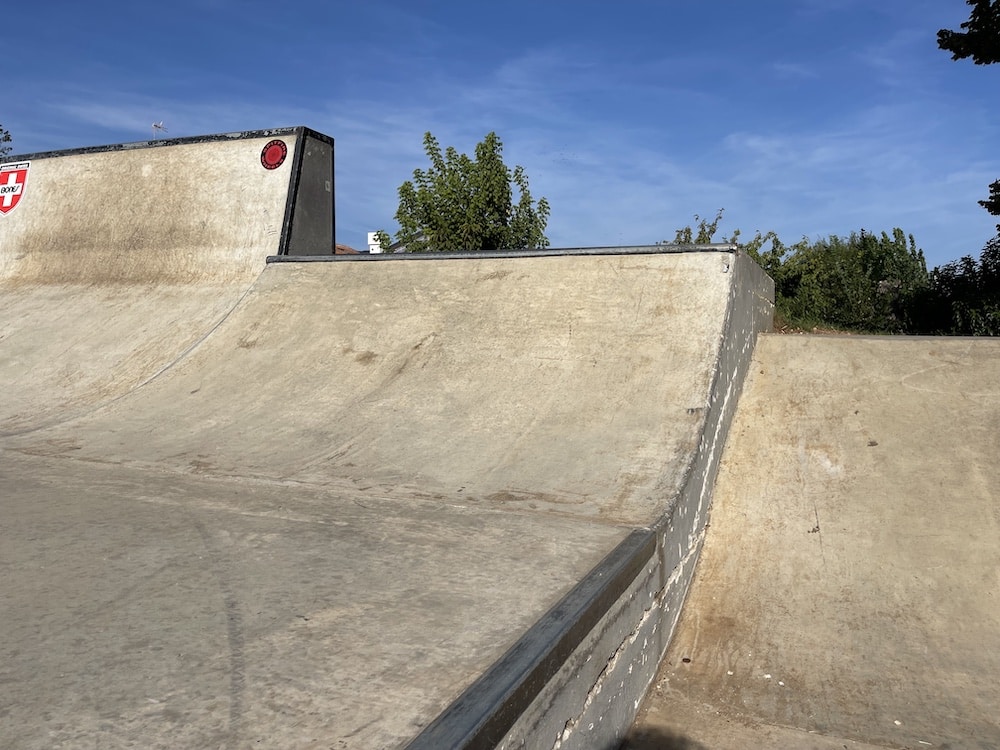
x=546, y=253
x=299, y=130
x=480, y=717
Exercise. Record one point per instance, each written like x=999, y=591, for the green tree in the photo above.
x=964, y=297
x=980, y=39
x=4, y=140
x=705, y=231
x=992, y=204
x=981, y=42
x=863, y=282
x=463, y=204
x=764, y=247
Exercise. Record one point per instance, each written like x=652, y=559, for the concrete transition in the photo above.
x=849, y=591
x=443, y=502
x=116, y=261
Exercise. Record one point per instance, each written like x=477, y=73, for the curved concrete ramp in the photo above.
x=849, y=591
x=447, y=502
x=117, y=260
x=67, y=349
x=564, y=385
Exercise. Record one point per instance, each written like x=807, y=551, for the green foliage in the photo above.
x=864, y=282
x=992, y=204
x=383, y=239
x=980, y=39
x=765, y=248
x=768, y=250
x=706, y=231
x=873, y=283
x=981, y=42
x=4, y=140
x=463, y=204
x=964, y=297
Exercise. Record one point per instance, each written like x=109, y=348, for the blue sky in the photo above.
x=806, y=117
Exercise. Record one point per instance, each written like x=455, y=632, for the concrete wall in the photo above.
x=173, y=210
x=846, y=592
x=116, y=260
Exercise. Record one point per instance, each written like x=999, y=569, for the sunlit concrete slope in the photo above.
x=116, y=260
x=371, y=488
x=848, y=594
x=568, y=385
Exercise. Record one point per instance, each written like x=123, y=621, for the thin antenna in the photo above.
x=158, y=126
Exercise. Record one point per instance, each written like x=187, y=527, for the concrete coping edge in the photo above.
x=300, y=130
x=545, y=253
x=480, y=717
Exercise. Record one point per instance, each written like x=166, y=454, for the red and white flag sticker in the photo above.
x=13, y=178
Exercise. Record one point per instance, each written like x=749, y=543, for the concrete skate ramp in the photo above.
x=117, y=260
x=556, y=384
x=374, y=502
x=848, y=594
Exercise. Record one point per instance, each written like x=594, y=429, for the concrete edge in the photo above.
x=576, y=679
x=291, y=197
x=543, y=253
x=483, y=714
x=161, y=142
x=895, y=337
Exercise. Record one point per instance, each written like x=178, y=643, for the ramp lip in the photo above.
x=895, y=337
x=480, y=717
x=544, y=253
x=159, y=143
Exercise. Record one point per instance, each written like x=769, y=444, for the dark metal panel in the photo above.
x=309, y=217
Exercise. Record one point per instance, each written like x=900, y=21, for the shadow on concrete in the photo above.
x=659, y=738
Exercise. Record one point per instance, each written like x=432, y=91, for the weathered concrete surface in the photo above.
x=165, y=211
x=68, y=349
x=849, y=588
x=118, y=260
x=553, y=384
x=592, y=700
x=164, y=610
x=339, y=497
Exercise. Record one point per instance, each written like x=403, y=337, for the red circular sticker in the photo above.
x=273, y=155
